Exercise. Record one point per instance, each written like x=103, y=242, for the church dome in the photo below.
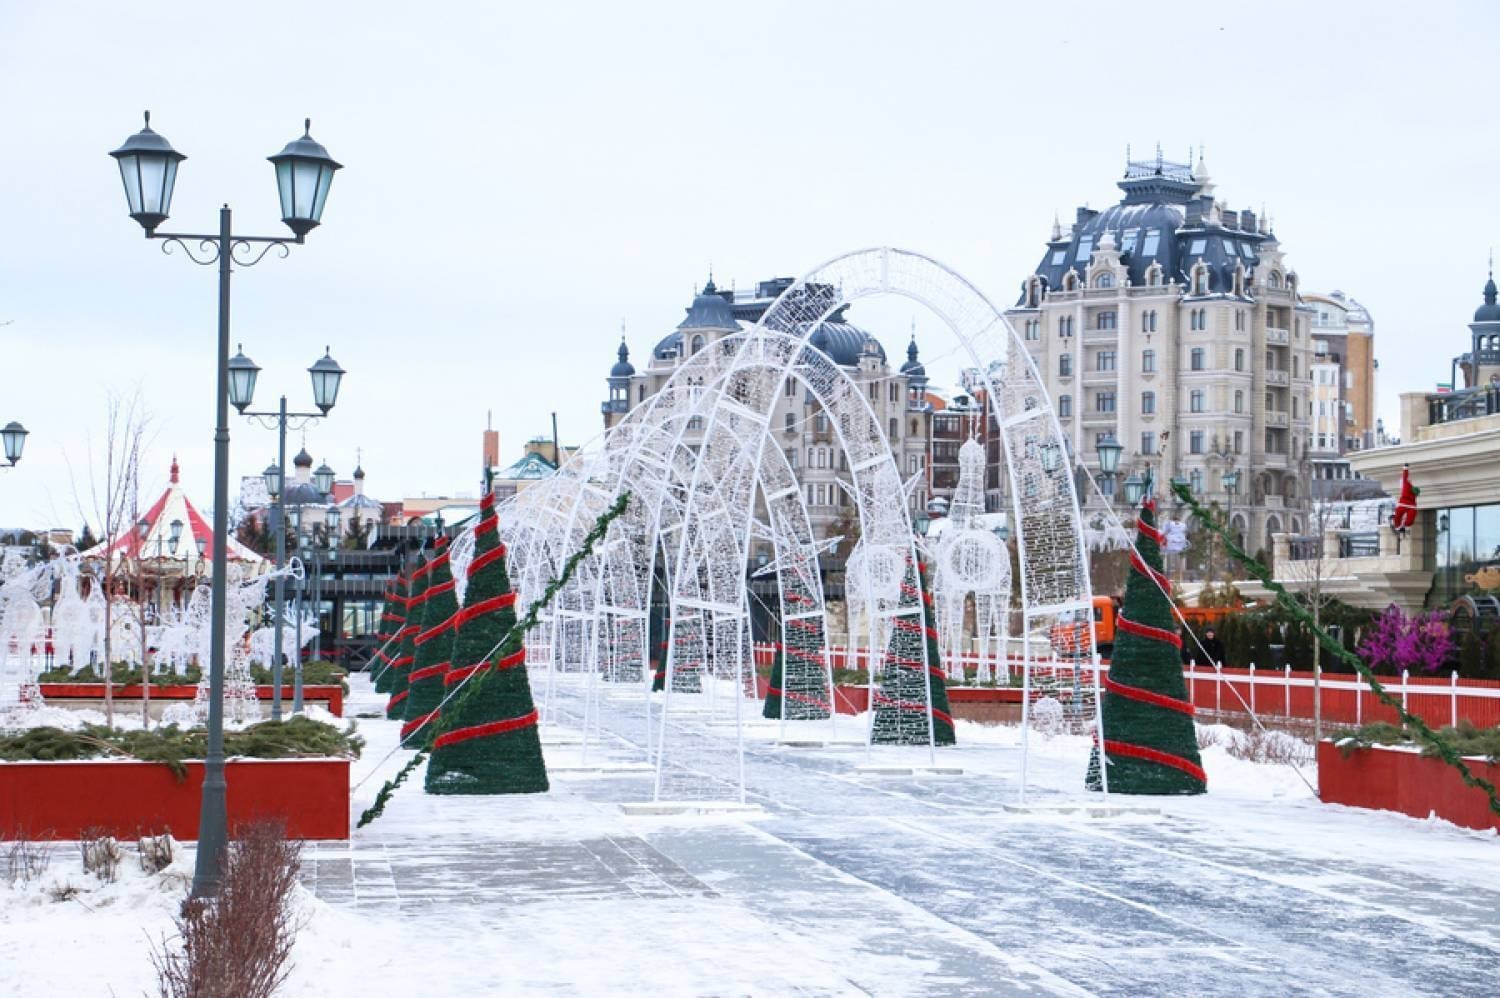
x=913, y=368
x=303, y=459
x=623, y=367
x=710, y=310
x=1490, y=310
x=845, y=343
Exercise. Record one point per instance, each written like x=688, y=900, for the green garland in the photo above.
x=475, y=683
x=1439, y=745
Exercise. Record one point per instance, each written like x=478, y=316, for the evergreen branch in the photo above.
x=1415, y=724
x=474, y=684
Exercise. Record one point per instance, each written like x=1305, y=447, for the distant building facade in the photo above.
x=1175, y=325
x=1344, y=373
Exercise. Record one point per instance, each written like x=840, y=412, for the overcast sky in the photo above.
x=520, y=179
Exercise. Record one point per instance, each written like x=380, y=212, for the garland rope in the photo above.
x=1418, y=727
x=474, y=682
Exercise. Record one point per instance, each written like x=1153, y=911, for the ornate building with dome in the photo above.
x=898, y=396
x=1174, y=324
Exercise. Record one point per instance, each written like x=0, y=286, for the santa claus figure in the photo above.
x=1406, y=505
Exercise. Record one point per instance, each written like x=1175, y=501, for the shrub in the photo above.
x=156, y=852
x=24, y=860
x=101, y=854
x=240, y=942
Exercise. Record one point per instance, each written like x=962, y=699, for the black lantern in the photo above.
x=304, y=172
x=326, y=376
x=323, y=478
x=1109, y=451
x=148, y=166
x=242, y=374
x=142, y=528
x=272, y=477
x=175, y=536
x=202, y=543
x=333, y=518
x=14, y=436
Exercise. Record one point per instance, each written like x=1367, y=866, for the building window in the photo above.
x=697, y=344
x=1148, y=403
x=1196, y=480
x=1195, y=359
x=791, y=422
x=820, y=422
x=1031, y=328
x=1065, y=326
x=1085, y=249
x=1104, y=360
x=895, y=427
x=1104, y=320
x=791, y=459
x=1153, y=238
x=1065, y=365
x=1105, y=280
x=640, y=393
x=1195, y=400
x=1148, y=443
x=1239, y=441
x=1239, y=400
x=1064, y=406
x=1239, y=358
x=1148, y=361
x=1195, y=442
x=1104, y=402
x=1239, y=320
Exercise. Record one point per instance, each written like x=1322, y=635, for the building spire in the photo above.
x=174, y=456
x=1056, y=226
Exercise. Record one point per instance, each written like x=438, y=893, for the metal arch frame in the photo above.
x=1054, y=579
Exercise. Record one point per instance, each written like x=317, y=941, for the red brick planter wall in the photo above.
x=128, y=799
x=1405, y=781
x=331, y=697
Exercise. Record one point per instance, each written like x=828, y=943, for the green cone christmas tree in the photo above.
x=406, y=650
x=394, y=619
x=1149, y=740
x=907, y=683
x=434, y=647
x=488, y=742
x=799, y=673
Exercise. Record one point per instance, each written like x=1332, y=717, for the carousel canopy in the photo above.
x=153, y=541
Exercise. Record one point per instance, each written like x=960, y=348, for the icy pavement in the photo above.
x=855, y=882
x=848, y=882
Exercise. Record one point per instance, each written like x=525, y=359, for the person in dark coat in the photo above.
x=1211, y=652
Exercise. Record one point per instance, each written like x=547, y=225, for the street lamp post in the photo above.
x=326, y=375
x=304, y=172
x=1109, y=450
x=13, y=435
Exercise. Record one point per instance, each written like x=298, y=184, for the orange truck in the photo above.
x=1068, y=639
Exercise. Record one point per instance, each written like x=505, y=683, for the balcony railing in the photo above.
x=1450, y=407
x=1359, y=543
x=1278, y=378
x=1276, y=419
x=1275, y=335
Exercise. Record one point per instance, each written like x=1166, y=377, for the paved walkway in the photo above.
x=860, y=883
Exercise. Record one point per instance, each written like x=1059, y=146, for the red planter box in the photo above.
x=1398, y=780
x=331, y=697
x=128, y=799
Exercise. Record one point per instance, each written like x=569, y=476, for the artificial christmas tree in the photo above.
x=1149, y=741
x=434, y=646
x=394, y=619
x=799, y=674
x=910, y=687
x=488, y=741
x=406, y=647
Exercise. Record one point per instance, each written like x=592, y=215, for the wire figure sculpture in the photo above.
x=972, y=563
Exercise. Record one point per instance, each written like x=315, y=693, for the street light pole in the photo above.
x=304, y=171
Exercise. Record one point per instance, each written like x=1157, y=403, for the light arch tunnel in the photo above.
x=707, y=479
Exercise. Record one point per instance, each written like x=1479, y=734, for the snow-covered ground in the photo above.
x=849, y=882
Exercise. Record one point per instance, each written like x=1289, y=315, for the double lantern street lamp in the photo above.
x=304, y=173
x=326, y=375
x=14, y=437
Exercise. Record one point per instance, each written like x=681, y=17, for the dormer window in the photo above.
x=1197, y=246
x=1153, y=239
x=1070, y=281
x=1059, y=257
x=1274, y=280
x=697, y=344
x=1105, y=280
x=1085, y=249
x=1153, y=275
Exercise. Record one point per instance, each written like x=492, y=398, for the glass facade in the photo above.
x=1466, y=553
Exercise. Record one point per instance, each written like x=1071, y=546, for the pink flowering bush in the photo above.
x=1401, y=643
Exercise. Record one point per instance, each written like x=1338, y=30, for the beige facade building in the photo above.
x=1344, y=393
x=1174, y=324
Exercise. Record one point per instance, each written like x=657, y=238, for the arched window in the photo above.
x=1070, y=281
x=697, y=344
x=1104, y=280
x=1274, y=279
